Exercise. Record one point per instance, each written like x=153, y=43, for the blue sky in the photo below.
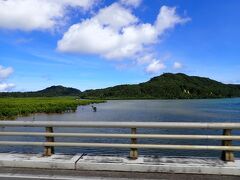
x=90, y=44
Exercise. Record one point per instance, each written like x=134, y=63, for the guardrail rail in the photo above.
x=227, y=148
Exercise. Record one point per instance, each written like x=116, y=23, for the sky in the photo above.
x=90, y=44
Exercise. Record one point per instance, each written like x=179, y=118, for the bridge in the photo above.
x=227, y=164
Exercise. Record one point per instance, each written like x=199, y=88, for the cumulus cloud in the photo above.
x=133, y=3
x=5, y=72
x=115, y=16
x=116, y=33
x=168, y=18
x=145, y=59
x=103, y=34
x=80, y=3
x=5, y=87
x=177, y=65
x=36, y=14
x=155, y=66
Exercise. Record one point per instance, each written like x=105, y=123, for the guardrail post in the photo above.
x=49, y=150
x=227, y=155
x=133, y=151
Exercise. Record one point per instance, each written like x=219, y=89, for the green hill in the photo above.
x=168, y=86
x=52, y=91
x=59, y=91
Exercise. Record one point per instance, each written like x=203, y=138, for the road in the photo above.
x=43, y=174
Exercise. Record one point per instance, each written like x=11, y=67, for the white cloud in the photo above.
x=145, y=59
x=115, y=16
x=5, y=87
x=115, y=33
x=5, y=72
x=177, y=65
x=79, y=3
x=167, y=18
x=78, y=39
x=101, y=34
x=36, y=14
x=155, y=66
x=134, y=3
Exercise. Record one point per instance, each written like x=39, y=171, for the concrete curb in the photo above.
x=57, y=161
x=160, y=164
x=119, y=163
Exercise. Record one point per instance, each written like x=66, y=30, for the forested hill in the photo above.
x=59, y=91
x=52, y=91
x=168, y=86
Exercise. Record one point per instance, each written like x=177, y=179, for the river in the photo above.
x=207, y=110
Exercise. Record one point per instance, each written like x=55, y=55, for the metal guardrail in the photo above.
x=107, y=124
x=226, y=147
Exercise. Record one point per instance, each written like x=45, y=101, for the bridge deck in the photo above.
x=150, y=164
x=39, y=174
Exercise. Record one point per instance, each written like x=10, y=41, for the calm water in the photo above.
x=220, y=110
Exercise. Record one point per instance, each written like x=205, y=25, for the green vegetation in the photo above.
x=52, y=91
x=10, y=108
x=168, y=86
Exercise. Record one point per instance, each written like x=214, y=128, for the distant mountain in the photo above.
x=59, y=91
x=168, y=86
x=52, y=91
